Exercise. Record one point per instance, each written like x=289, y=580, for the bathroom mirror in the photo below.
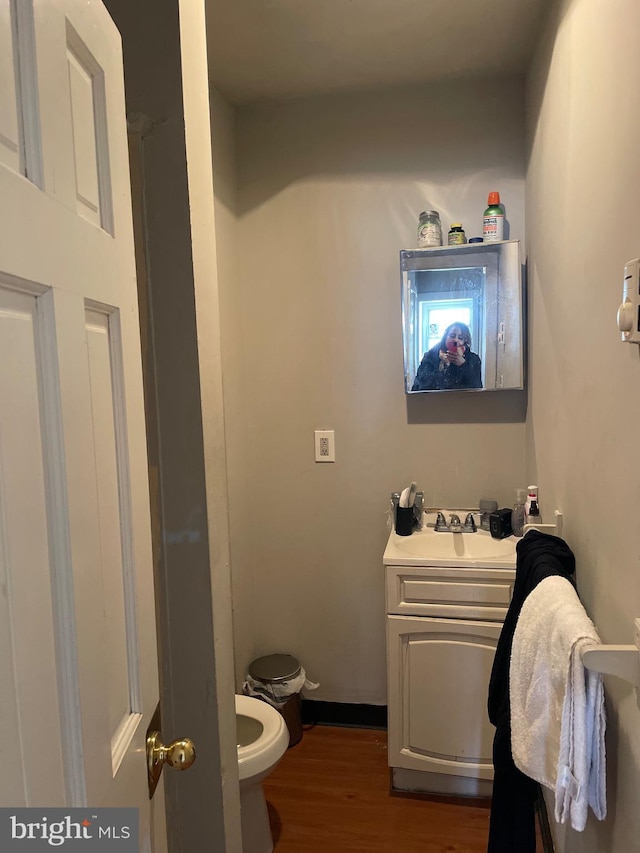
x=462, y=317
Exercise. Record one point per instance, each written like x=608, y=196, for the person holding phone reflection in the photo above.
x=450, y=365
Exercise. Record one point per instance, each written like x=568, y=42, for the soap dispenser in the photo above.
x=532, y=510
x=517, y=513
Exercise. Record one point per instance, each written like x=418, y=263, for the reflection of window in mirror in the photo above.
x=434, y=317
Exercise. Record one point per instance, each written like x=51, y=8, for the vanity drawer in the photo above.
x=449, y=592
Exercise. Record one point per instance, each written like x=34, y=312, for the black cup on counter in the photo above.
x=405, y=520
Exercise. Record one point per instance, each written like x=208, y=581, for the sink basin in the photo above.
x=426, y=547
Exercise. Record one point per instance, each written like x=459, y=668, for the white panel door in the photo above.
x=77, y=624
x=439, y=673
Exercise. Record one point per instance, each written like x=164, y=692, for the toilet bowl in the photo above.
x=262, y=738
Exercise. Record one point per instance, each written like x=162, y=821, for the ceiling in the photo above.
x=275, y=49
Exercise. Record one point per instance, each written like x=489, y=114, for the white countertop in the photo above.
x=427, y=548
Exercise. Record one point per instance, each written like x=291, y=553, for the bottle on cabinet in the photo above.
x=532, y=508
x=517, y=513
x=429, y=229
x=493, y=220
x=456, y=236
x=534, y=516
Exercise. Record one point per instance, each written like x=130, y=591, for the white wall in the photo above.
x=583, y=224
x=329, y=191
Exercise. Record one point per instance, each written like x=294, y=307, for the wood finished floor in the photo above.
x=331, y=792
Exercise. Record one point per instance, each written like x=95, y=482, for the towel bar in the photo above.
x=622, y=661
x=555, y=529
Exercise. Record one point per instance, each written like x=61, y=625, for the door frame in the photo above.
x=166, y=80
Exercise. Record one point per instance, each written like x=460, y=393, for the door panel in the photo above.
x=446, y=676
x=31, y=756
x=438, y=678
x=117, y=570
x=9, y=126
x=90, y=143
x=84, y=139
x=19, y=110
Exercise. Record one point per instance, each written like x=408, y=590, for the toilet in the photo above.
x=262, y=738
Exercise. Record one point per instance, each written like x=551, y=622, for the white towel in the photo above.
x=557, y=706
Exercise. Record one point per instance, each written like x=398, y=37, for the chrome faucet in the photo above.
x=454, y=524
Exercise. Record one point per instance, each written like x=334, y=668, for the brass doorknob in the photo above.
x=180, y=754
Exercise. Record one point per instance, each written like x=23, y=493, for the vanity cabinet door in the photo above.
x=438, y=674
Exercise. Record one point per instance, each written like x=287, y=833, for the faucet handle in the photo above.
x=470, y=523
x=441, y=522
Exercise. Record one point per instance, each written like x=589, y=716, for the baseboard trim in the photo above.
x=347, y=714
x=543, y=823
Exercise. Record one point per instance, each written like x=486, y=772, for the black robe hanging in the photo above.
x=512, y=825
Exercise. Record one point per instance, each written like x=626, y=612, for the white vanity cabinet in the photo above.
x=443, y=624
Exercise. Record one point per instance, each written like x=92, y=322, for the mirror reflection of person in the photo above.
x=450, y=365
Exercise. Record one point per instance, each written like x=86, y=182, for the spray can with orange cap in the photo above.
x=493, y=220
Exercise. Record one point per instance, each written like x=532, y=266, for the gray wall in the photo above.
x=241, y=499
x=329, y=191
x=583, y=223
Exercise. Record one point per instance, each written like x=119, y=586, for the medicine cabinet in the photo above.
x=476, y=288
